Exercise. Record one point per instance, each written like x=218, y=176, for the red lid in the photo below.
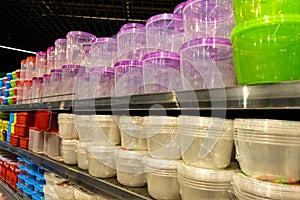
x=23, y=62
x=42, y=120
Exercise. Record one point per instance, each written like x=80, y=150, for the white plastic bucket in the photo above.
x=82, y=127
x=66, y=126
x=68, y=151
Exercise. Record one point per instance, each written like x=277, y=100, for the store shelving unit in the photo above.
x=276, y=100
x=8, y=192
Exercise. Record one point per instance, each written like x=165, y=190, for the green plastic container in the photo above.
x=14, y=75
x=13, y=83
x=245, y=10
x=266, y=50
x=11, y=92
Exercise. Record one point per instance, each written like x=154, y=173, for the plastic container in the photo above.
x=49, y=193
x=268, y=149
x=60, y=53
x=22, y=130
x=76, y=41
x=207, y=63
x=128, y=78
x=162, y=180
x=11, y=92
x=30, y=67
x=14, y=140
x=162, y=137
x=206, y=142
x=55, y=81
x=36, y=90
x=25, y=118
x=36, y=140
x=41, y=63
x=131, y=25
x=265, y=63
x=248, y=10
x=52, y=144
x=104, y=130
x=27, y=89
x=9, y=76
x=82, y=194
x=130, y=168
x=46, y=88
x=82, y=155
x=211, y=18
x=130, y=39
x=133, y=136
x=20, y=92
x=204, y=183
x=161, y=71
x=102, y=81
x=83, y=86
x=7, y=84
x=13, y=83
x=68, y=151
x=1, y=82
x=66, y=125
x=101, y=161
x=178, y=9
x=65, y=191
x=24, y=142
x=82, y=126
x=46, y=120
x=103, y=51
x=50, y=59
x=165, y=32
x=70, y=74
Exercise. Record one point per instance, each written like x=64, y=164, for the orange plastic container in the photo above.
x=45, y=120
x=24, y=142
x=22, y=130
x=14, y=140
x=26, y=118
x=12, y=174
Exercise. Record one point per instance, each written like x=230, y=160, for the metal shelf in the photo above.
x=8, y=192
x=107, y=187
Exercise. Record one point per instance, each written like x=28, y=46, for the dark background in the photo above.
x=34, y=25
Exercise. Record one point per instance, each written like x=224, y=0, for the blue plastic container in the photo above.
x=9, y=76
x=11, y=117
x=5, y=101
x=7, y=84
x=1, y=82
x=6, y=92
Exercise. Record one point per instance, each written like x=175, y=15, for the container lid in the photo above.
x=178, y=9
x=47, y=75
x=37, y=78
x=130, y=155
x=30, y=58
x=42, y=53
x=141, y=30
x=104, y=39
x=52, y=48
x=61, y=40
x=172, y=58
x=128, y=63
x=206, y=42
x=164, y=16
x=101, y=149
x=23, y=62
x=156, y=164
x=213, y=123
x=66, y=142
x=265, y=189
x=73, y=67
x=97, y=69
x=132, y=25
x=80, y=33
x=160, y=120
x=28, y=81
x=209, y=175
x=55, y=71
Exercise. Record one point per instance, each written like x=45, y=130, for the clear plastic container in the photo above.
x=23, y=70
x=101, y=161
x=66, y=125
x=36, y=90
x=161, y=71
x=76, y=43
x=162, y=181
x=165, y=32
x=128, y=78
x=103, y=51
x=82, y=155
x=131, y=25
x=56, y=81
x=130, y=39
x=83, y=86
x=70, y=74
x=46, y=88
x=82, y=126
x=211, y=18
x=102, y=81
x=206, y=142
x=178, y=9
x=52, y=144
x=30, y=67
x=208, y=184
x=60, y=53
x=133, y=136
x=20, y=86
x=36, y=140
x=27, y=91
x=207, y=63
x=50, y=58
x=268, y=149
x=68, y=151
x=41, y=63
x=130, y=168
x=65, y=191
x=104, y=130
x=82, y=194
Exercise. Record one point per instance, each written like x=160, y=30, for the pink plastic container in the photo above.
x=165, y=32
x=83, y=86
x=55, y=82
x=70, y=73
x=46, y=88
x=103, y=51
x=178, y=9
x=102, y=81
x=128, y=78
x=76, y=43
x=23, y=70
x=131, y=25
x=41, y=63
x=207, y=63
x=210, y=18
x=60, y=53
x=20, y=86
x=161, y=72
x=27, y=91
x=36, y=90
x=50, y=58
x=30, y=67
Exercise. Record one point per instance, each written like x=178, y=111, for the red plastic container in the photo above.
x=24, y=142
x=21, y=130
x=1, y=168
x=18, y=72
x=12, y=174
x=15, y=91
x=26, y=118
x=45, y=120
x=14, y=140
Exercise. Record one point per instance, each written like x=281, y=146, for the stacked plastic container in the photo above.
x=102, y=81
x=9, y=88
x=267, y=151
x=260, y=46
x=24, y=120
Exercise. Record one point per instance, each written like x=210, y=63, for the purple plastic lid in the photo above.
x=128, y=63
x=206, y=42
x=73, y=67
x=104, y=39
x=51, y=48
x=132, y=30
x=163, y=17
x=97, y=69
x=178, y=9
x=37, y=78
x=41, y=53
x=163, y=54
x=80, y=33
x=132, y=25
x=56, y=70
x=47, y=75
x=61, y=40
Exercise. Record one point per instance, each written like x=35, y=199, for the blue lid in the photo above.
x=21, y=186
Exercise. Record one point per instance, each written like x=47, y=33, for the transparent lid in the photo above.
x=51, y=48
x=178, y=9
x=132, y=25
x=102, y=149
x=69, y=142
x=160, y=163
x=80, y=33
x=141, y=30
x=130, y=155
x=61, y=40
x=164, y=16
x=104, y=39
